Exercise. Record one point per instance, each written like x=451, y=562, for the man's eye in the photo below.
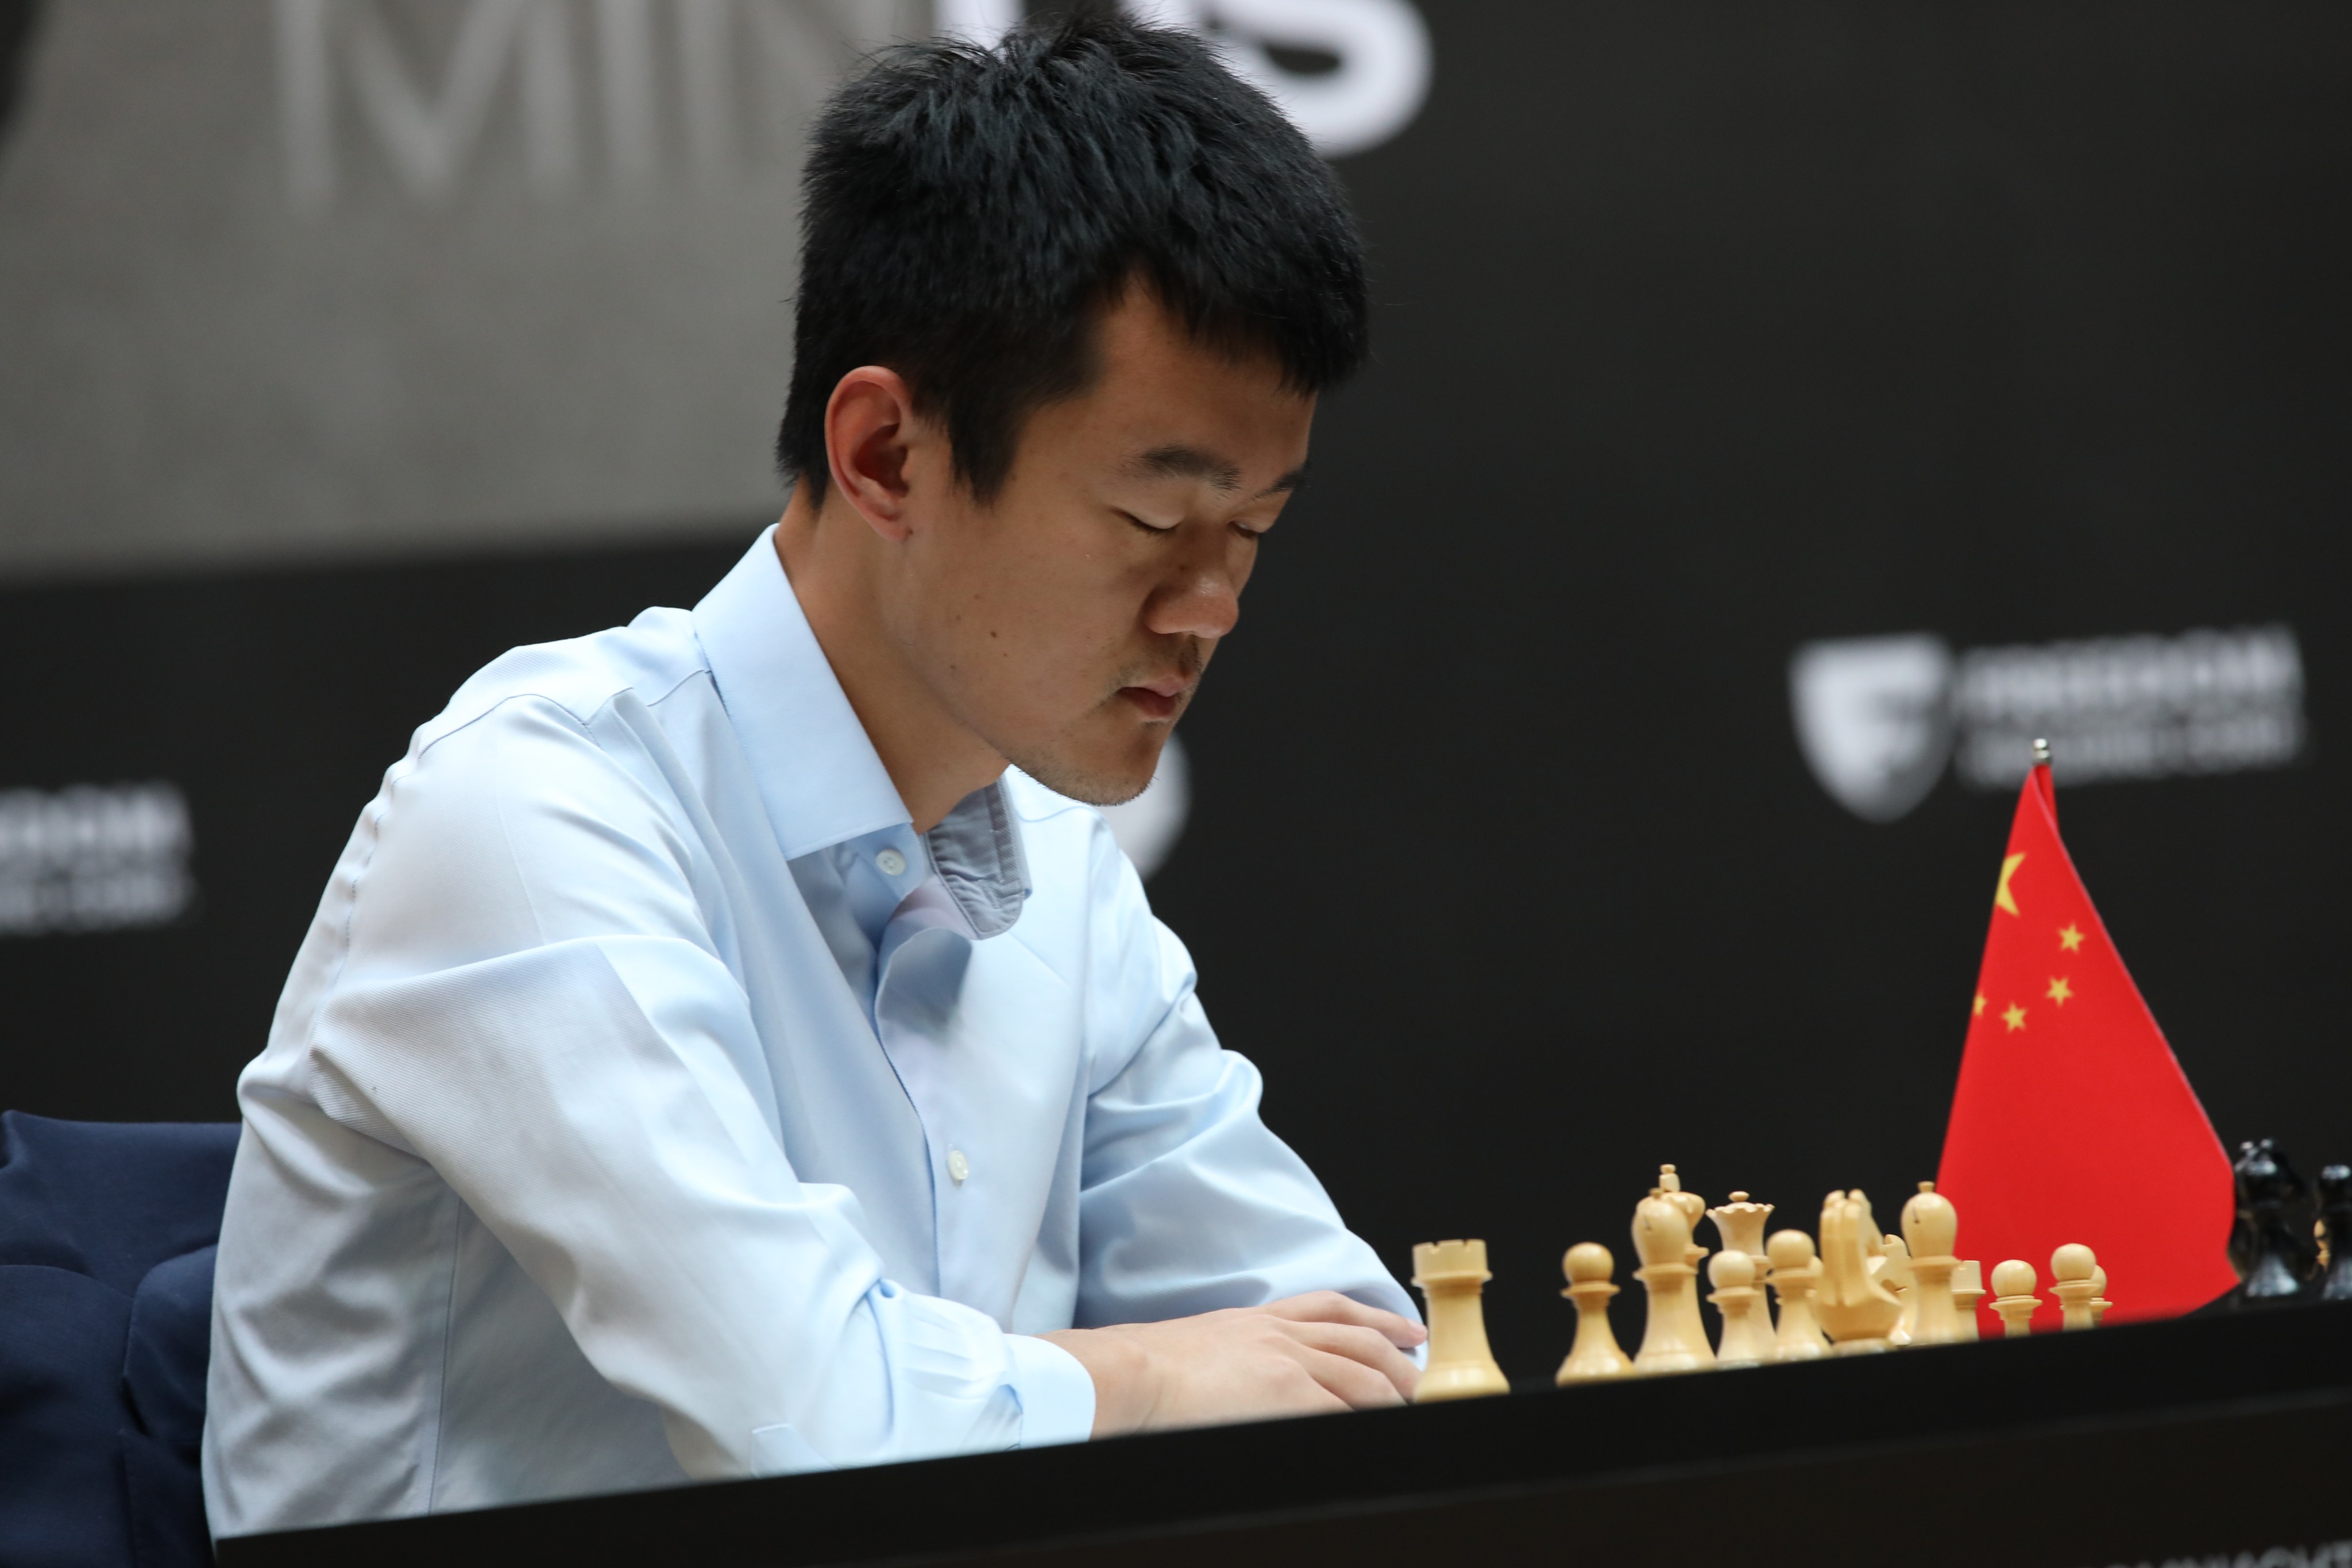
x=1147, y=527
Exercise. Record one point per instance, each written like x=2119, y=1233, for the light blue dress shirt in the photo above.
x=649, y=1101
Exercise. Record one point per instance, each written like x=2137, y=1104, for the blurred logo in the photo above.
x=1350, y=73
x=634, y=90
x=93, y=858
x=1878, y=718
x=1371, y=61
x=1873, y=718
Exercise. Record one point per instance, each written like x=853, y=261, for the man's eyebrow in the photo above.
x=1292, y=480
x=1192, y=463
x=1187, y=463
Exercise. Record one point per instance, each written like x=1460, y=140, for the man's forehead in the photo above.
x=1177, y=461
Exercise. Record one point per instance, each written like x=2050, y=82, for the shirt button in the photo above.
x=891, y=863
x=957, y=1166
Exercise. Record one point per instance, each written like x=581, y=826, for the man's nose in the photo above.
x=1204, y=602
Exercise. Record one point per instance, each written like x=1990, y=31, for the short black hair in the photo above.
x=969, y=211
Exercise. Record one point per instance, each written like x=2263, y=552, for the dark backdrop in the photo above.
x=1705, y=330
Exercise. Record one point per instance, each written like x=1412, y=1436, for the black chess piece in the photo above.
x=2335, y=1214
x=2274, y=1245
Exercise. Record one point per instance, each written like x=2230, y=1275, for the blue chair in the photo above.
x=106, y=1237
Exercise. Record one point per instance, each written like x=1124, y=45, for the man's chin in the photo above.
x=1096, y=780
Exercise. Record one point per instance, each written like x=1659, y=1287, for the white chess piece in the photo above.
x=1452, y=1275
x=1894, y=1271
x=1858, y=1311
x=1673, y=1340
x=2014, y=1299
x=1931, y=1229
x=2073, y=1279
x=1739, y=1226
x=1692, y=1207
x=1595, y=1353
x=1796, y=1275
x=1968, y=1290
x=1745, y=1342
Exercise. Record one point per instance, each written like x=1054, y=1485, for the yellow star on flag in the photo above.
x=2070, y=938
x=2060, y=992
x=1978, y=1011
x=2001, y=897
x=2015, y=1017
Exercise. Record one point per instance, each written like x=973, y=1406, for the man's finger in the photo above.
x=1368, y=1346
x=1362, y=1387
x=1330, y=1307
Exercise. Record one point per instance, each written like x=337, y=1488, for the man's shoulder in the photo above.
x=650, y=659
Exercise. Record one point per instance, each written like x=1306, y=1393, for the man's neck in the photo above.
x=831, y=557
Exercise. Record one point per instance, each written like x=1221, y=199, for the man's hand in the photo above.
x=1305, y=1356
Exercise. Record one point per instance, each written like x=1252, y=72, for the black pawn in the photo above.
x=2335, y=1214
x=2272, y=1246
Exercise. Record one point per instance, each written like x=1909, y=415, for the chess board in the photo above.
x=2224, y=1437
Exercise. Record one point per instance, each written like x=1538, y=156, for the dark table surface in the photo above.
x=2222, y=1437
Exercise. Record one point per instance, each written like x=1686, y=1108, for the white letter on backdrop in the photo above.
x=1382, y=48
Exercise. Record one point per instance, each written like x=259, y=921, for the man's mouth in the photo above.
x=1159, y=697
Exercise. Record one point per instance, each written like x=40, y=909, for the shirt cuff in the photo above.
x=1056, y=1393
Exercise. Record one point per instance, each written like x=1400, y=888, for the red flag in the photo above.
x=2072, y=1121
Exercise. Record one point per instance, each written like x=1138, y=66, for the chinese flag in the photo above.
x=2073, y=1121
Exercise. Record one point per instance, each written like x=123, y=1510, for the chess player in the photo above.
x=730, y=1045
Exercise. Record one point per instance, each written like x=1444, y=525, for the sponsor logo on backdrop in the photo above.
x=1378, y=50
x=596, y=87
x=93, y=858
x=635, y=90
x=1873, y=718
x=409, y=275
x=1879, y=719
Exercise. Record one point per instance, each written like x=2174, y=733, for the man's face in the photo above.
x=1068, y=620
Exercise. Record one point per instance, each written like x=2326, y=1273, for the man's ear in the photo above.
x=870, y=427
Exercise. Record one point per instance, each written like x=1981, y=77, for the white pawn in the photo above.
x=1796, y=1274
x=2073, y=1279
x=1745, y=1341
x=2099, y=1303
x=1596, y=1353
x=2013, y=1298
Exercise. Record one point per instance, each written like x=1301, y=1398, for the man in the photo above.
x=710, y=1058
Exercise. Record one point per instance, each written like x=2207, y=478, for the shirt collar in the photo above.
x=818, y=774
x=976, y=850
